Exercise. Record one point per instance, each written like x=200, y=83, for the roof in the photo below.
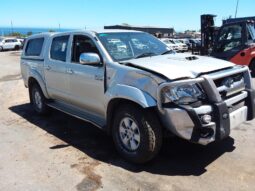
x=136, y=26
x=92, y=32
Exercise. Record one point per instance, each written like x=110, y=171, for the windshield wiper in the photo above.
x=145, y=54
x=168, y=52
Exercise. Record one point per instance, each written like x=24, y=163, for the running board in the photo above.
x=85, y=116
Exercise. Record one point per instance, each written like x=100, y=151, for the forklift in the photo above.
x=233, y=41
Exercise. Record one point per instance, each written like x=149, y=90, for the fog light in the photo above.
x=206, y=119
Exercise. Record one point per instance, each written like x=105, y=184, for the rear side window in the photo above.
x=34, y=47
x=58, y=48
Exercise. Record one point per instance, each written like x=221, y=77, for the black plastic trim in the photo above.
x=34, y=59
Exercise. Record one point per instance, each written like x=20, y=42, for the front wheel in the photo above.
x=136, y=133
x=1, y=49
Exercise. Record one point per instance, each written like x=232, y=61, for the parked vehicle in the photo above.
x=186, y=41
x=234, y=41
x=170, y=44
x=134, y=87
x=9, y=44
x=195, y=42
x=181, y=46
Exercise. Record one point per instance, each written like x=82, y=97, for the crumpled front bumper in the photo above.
x=186, y=121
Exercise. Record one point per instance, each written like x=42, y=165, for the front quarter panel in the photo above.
x=131, y=93
x=131, y=84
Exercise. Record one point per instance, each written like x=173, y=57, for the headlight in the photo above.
x=184, y=94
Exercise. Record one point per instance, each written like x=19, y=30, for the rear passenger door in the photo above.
x=55, y=68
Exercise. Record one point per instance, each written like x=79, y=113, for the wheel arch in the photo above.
x=252, y=60
x=35, y=77
x=123, y=94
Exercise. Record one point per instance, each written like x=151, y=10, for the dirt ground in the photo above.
x=59, y=152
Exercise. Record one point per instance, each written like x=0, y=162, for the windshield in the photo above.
x=177, y=41
x=130, y=45
x=166, y=41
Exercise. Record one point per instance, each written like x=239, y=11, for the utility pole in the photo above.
x=237, y=4
x=59, y=26
x=11, y=27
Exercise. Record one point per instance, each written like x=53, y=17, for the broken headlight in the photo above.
x=184, y=94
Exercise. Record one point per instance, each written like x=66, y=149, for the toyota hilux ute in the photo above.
x=134, y=87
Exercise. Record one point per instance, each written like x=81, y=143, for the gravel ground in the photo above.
x=59, y=152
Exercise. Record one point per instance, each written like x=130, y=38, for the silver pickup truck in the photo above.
x=134, y=87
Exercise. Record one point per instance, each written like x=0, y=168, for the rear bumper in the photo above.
x=186, y=122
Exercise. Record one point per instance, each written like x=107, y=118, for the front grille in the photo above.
x=230, y=85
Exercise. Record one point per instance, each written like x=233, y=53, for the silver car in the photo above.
x=134, y=87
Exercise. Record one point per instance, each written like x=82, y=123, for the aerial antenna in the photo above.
x=237, y=4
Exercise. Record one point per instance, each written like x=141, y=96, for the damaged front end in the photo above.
x=209, y=119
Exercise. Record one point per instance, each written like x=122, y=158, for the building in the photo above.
x=157, y=31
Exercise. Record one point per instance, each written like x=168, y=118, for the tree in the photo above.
x=17, y=34
x=29, y=33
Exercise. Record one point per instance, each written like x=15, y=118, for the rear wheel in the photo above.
x=16, y=47
x=38, y=100
x=136, y=133
x=252, y=68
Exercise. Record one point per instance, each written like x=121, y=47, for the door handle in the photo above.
x=99, y=77
x=47, y=67
x=69, y=71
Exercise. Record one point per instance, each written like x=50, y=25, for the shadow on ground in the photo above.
x=176, y=157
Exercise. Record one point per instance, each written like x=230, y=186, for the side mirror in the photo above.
x=89, y=58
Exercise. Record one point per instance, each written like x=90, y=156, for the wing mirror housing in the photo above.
x=89, y=59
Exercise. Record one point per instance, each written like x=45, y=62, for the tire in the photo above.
x=136, y=133
x=38, y=100
x=1, y=49
x=252, y=68
x=16, y=47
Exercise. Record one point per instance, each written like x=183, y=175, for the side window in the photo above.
x=82, y=44
x=59, y=47
x=34, y=47
x=7, y=41
x=230, y=38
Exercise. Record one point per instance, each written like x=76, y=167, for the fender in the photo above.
x=131, y=93
x=36, y=75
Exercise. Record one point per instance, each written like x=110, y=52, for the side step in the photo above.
x=83, y=115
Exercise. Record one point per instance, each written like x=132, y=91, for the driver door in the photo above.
x=86, y=81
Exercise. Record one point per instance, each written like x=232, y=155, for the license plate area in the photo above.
x=238, y=117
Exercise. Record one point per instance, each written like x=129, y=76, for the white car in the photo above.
x=9, y=44
x=170, y=44
x=181, y=46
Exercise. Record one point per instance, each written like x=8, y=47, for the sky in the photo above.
x=93, y=14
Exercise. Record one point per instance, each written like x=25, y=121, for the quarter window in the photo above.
x=34, y=47
x=59, y=48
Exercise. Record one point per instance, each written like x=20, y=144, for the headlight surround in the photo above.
x=184, y=94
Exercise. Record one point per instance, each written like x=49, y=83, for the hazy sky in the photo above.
x=180, y=14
